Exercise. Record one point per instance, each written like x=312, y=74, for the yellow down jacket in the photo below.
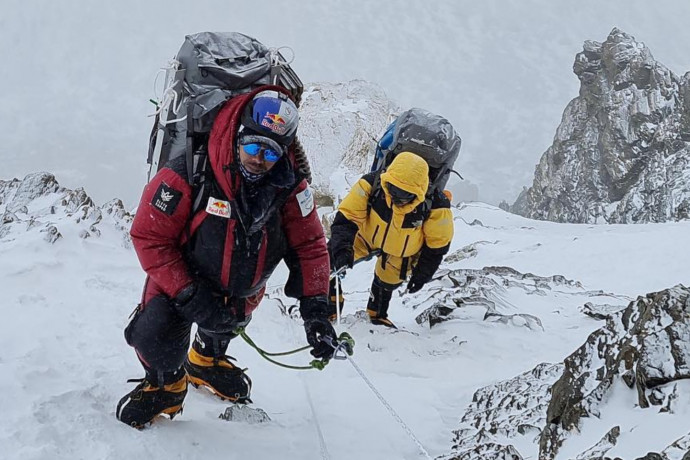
x=403, y=233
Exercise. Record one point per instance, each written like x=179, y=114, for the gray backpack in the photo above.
x=430, y=136
x=209, y=69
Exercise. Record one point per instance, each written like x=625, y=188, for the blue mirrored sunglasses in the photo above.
x=270, y=154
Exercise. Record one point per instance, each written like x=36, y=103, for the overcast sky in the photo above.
x=76, y=75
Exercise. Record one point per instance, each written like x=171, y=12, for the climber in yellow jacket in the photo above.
x=388, y=211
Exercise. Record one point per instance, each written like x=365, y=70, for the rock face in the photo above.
x=621, y=153
x=643, y=347
x=509, y=409
x=646, y=346
x=38, y=203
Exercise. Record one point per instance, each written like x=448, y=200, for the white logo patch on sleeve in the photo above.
x=306, y=201
x=218, y=207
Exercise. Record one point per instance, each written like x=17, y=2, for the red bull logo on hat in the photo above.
x=274, y=122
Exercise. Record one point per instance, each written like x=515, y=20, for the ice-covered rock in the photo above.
x=503, y=411
x=487, y=287
x=38, y=203
x=621, y=153
x=646, y=346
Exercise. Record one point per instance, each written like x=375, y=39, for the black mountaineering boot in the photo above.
x=218, y=375
x=377, y=307
x=148, y=400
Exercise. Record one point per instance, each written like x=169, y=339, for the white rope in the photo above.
x=170, y=93
x=325, y=455
x=276, y=58
x=169, y=96
x=389, y=408
x=322, y=442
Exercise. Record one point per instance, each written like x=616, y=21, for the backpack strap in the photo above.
x=189, y=141
x=200, y=184
x=375, y=192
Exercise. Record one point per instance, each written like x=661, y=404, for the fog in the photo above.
x=77, y=76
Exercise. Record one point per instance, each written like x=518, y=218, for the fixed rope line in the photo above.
x=390, y=409
x=325, y=455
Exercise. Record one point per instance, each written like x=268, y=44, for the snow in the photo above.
x=65, y=363
x=659, y=430
x=78, y=110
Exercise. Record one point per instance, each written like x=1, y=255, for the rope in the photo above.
x=277, y=59
x=325, y=455
x=322, y=441
x=314, y=364
x=169, y=98
x=390, y=409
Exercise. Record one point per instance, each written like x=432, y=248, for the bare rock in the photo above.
x=621, y=153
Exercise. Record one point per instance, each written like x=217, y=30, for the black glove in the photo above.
x=317, y=326
x=343, y=259
x=199, y=303
x=319, y=333
x=415, y=284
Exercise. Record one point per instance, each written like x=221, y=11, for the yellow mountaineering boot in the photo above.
x=219, y=375
x=379, y=300
x=147, y=400
x=379, y=320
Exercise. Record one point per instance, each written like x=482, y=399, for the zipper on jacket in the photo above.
x=407, y=238
x=383, y=250
x=373, y=237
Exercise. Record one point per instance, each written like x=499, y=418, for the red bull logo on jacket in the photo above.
x=218, y=208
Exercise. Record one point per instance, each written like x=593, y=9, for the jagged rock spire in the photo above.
x=621, y=152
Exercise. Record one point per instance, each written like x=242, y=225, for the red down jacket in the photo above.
x=238, y=251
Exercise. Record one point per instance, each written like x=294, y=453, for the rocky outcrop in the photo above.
x=646, y=346
x=506, y=410
x=621, y=153
x=339, y=127
x=487, y=288
x=643, y=347
x=39, y=204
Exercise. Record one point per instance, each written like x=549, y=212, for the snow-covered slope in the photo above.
x=64, y=363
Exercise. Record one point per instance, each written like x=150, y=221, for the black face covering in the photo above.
x=400, y=197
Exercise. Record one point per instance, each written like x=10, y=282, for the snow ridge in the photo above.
x=39, y=204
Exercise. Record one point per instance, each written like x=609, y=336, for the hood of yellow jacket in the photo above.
x=409, y=172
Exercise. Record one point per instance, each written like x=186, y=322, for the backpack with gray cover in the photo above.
x=428, y=135
x=209, y=69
